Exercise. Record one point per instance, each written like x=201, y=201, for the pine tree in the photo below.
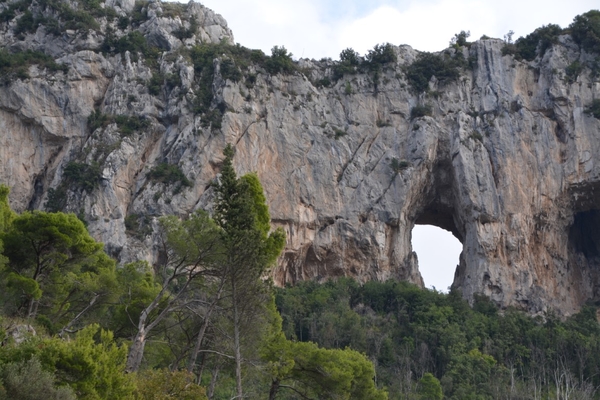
x=242, y=213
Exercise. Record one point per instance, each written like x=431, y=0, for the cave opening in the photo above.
x=437, y=234
x=438, y=252
x=584, y=234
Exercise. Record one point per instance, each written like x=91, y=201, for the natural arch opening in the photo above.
x=584, y=234
x=438, y=252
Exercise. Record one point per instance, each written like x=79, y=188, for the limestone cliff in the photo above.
x=131, y=126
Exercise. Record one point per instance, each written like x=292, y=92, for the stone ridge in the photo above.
x=506, y=158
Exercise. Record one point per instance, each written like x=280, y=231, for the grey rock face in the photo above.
x=507, y=161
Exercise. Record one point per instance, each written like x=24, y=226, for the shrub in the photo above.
x=138, y=225
x=168, y=174
x=25, y=380
x=460, y=39
x=280, y=61
x=230, y=71
x=398, y=165
x=594, y=109
x=535, y=43
x=84, y=176
x=339, y=133
x=420, y=110
x=381, y=54
x=130, y=124
x=97, y=120
x=585, y=30
x=573, y=71
x=14, y=65
x=444, y=67
x=349, y=61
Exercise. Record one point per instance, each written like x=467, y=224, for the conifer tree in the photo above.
x=242, y=213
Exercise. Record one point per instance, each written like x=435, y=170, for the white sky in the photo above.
x=438, y=251
x=323, y=28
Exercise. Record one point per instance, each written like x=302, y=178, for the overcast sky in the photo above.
x=323, y=28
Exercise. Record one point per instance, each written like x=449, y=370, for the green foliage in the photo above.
x=166, y=384
x=135, y=43
x=26, y=380
x=348, y=89
x=15, y=65
x=572, y=72
x=138, y=226
x=471, y=351
x=128, y=125
x=444, y=67
x=139, y=14
x=430, y=388
x=97, y=120
x=186, y=33
x=594, y=109
x=230, y=71
x=83, y=176
x=460, y=39
x=348, y=64
x=535, y=43
x=585, y=30
x=91, y=364
x=55, y=269
x=398, y=166
x=421, y=110
x=169, y=174
x=6, y=214
x=380, y=55
x=280, y=61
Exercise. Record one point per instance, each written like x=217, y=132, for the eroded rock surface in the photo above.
x=508, y=161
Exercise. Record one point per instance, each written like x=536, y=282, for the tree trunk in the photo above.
x=213, y=382
x=274, y=389
x=236, y=343
x=136, y=352
x=200, y=337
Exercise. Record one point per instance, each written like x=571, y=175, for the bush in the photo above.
x=573, y=71
x=585, y=30
x=168, y=174
x=348, y=64
x=14, y=65
x=535, y=43
x=460, y=39
x=130, y=124
x=26, y=380
x=84, y=176
x=420, y=110
x=280, y=61
x=594, y=109
x=381, y=54
x=444, y=67
x=97, y=120
x=398, y=165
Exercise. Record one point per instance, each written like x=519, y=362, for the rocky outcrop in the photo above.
x=507, y=160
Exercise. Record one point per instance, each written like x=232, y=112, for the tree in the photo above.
x=280, y=61
x=460, y=39
x=165, y=384
x=585, y=30
x=430, y=388
x=242, y=214
x=26, y=380
x=90, y=363
x=191, y=251
x=55, y=269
